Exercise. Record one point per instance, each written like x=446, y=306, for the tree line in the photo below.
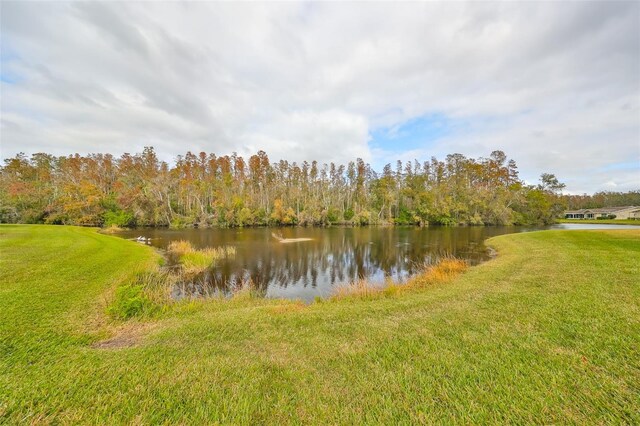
x=603, y=199
x=208, y=190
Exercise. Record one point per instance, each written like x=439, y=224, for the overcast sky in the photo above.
x=554, y=85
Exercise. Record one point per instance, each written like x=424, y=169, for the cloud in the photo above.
x=307, y=135
x=554, y=85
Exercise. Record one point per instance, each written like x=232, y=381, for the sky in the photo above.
x=555, y=85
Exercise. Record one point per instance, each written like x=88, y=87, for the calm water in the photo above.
x=333, y=256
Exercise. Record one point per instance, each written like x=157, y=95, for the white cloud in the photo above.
x=305, y=135
x=554, y=85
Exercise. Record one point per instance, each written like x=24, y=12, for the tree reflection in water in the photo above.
x=333, y=256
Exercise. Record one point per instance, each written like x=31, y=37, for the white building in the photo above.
x=626, y=212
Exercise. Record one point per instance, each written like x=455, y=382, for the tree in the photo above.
x=209, y=190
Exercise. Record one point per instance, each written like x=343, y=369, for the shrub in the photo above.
x=245, y=217
x=363, y=218
x=406, y=217
x=119, y=218
x=348, y=214
x=179, y=221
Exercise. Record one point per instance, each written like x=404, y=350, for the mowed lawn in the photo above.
x=548, y=332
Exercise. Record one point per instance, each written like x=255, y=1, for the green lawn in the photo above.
x=548, y=332
x=602, y=222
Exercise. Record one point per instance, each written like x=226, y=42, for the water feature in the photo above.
x=302, y=263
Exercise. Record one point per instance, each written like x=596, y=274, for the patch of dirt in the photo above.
x=127, y=336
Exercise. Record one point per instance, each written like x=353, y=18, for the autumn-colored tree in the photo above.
x=209, y=190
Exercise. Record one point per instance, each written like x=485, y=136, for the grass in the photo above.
x=548, y=332
x=442, y=272
x=111, y=230
x=602, y=222
x=194, y=261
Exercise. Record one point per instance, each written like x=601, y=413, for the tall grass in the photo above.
x=149, y=290
x=441, y=272
x=110, y=230
x=194, y=261
x=360, y=288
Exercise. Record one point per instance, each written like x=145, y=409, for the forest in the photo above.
x=205, y=190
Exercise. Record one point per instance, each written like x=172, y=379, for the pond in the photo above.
x=327, y=257
x=330, y=257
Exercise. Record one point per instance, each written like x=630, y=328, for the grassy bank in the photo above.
x=548, y=332
x=602, y=222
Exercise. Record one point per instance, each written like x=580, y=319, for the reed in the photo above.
x=443, y=271
x=362, y=289
x=111, y=230
x=193, y=260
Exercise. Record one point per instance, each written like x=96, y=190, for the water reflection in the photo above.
x=333, y=256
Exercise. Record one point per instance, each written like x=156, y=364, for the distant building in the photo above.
x=627, y=212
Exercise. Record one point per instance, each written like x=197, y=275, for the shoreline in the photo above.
x=485, y=342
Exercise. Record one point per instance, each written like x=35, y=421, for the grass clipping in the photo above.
x=442, y=272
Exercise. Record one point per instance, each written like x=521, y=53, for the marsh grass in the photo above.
x=111, y=230
x=245, y=291
x=360, y=288
x=180, y=247
x=443, y=271
x=194, y=261
x=144, y=295
x=157, y=283
x=149, y=291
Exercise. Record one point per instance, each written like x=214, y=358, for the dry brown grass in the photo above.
x=113, y=229
x=360, y=288
x=442, y=272
x=126, y=336
x=180, y=247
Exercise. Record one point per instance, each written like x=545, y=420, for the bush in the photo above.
x=363, y=218
x=179, y=221
x=333, y=215
x=245, y=217
x=443, y=220
x=348, y=214
x=8, y=214
x=406, y=217
x=119, y=218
